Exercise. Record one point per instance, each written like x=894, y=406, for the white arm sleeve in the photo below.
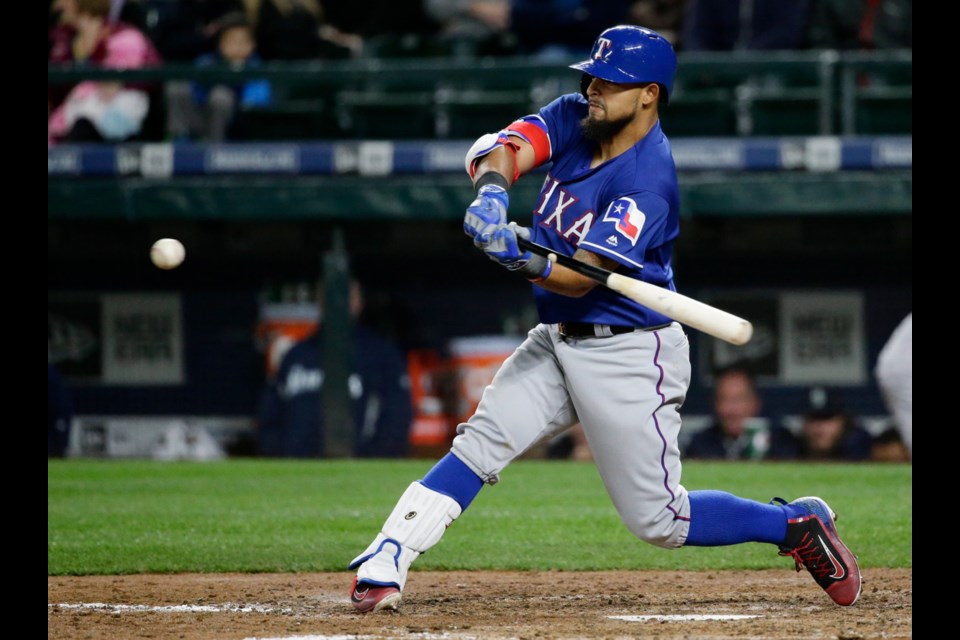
x=484, y=145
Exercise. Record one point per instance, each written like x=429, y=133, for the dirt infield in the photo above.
x=461, y=605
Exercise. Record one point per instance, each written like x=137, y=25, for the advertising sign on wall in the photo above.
x=799, y=337
x=117, y=339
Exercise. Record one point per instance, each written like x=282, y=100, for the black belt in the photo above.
x=588, y=330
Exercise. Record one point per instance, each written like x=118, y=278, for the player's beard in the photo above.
x=601, y=131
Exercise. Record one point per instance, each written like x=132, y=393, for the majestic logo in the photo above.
x=612, y=241
x=627, y=217
x=410, y=516
x=838, y=571
x=602, y=49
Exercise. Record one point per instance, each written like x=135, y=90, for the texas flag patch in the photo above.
x=627, y=217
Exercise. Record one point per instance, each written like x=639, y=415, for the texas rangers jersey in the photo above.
x=626, y=208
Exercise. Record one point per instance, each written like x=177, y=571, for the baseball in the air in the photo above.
x=167, y=253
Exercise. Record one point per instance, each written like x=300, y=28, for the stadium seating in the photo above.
x=716, y=94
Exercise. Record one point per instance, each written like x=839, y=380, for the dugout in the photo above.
x=772, y=225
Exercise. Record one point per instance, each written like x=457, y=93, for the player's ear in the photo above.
x=651, y=94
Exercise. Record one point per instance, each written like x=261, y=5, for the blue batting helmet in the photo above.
x=630, y=54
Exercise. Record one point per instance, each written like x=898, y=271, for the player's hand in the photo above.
x=501, y=246
x=486, y=213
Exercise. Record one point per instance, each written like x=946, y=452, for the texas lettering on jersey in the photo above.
x=556, y=201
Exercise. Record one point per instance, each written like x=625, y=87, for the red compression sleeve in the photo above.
x=536, y=136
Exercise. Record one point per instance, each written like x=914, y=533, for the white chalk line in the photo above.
x=239, y=608
x=423, y=636
x=693, y=617
x=174, y=608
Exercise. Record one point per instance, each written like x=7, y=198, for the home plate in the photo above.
x=685, y=618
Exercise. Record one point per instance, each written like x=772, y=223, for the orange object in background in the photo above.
x=474, y=361
x=281, y=325
x=432, y=429
x=446, y=392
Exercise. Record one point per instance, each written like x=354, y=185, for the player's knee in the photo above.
x=661, y=530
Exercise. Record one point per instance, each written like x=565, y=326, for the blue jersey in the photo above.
x=290, y=412
x=626, y=208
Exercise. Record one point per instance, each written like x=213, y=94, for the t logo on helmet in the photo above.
x=628, y=54
x=601, y=50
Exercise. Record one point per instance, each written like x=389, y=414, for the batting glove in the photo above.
x=487, y=212
x=501, y=247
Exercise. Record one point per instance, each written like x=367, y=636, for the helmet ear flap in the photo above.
x=585, y=81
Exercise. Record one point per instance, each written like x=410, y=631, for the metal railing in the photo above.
x=827, y=88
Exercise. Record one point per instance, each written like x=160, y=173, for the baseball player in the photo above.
x=894, y=373
x=610, y=198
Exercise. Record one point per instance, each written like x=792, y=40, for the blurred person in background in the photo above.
x=888, y=446
x=570, y=445
x=736, y=407
x=59, y=413
x=830, y=431
x=299, y=30
x=738, y=25
x=184, y=30
x=553, y=29
x=894, y=373
x=97, y=111
x=387, y=27
x=861, y=24
x=663, y=16
x=197, y=110
x=290, y=412
x=473, y=27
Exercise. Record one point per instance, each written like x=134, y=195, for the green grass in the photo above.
x=112, y=517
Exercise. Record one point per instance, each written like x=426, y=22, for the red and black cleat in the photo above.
x=813, y=543
x=367, y=597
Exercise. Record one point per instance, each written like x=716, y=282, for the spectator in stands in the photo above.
x=299, y=30
x=129, y=11
x=387, y=27
x=570, y=445
x=737, y=25
x=550, y=29
x=894, y=373
x=830, y=431
x=663, y=16
x=889, y=447
x=290, y=414
x=184, y=30
x=473, y=27
x=861, y=24
x=97, y=111
x=59, y=413
x=735, y=432
x=53, y=18
x=194, y=109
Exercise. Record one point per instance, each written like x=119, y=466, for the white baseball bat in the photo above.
x=685, y=310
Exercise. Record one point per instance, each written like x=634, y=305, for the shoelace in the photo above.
x=809, y=555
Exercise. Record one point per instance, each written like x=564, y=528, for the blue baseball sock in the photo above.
x=453, y=478
x=719, y=518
